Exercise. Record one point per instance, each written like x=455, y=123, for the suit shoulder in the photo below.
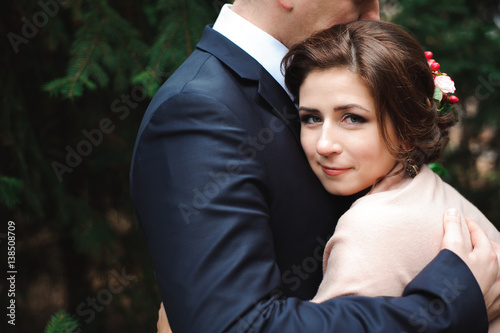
x=202, y=74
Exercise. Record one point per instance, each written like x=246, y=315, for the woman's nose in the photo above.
x=328, y=144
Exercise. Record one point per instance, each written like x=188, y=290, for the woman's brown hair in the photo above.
x=393, y=65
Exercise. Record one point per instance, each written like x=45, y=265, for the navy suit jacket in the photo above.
x=236, y=221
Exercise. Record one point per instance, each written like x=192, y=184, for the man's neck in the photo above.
x=256, y=42
x=259, y=16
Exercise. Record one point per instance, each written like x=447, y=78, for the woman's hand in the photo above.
x=491, y=297
x=482, y=260
x=163, y=326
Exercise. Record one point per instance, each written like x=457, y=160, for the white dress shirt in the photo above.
x=261, y=46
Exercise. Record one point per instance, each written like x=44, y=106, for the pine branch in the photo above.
x=158, y=52
x=104, y=41
x=85, y=62
x=56, y=87
x=61, y=322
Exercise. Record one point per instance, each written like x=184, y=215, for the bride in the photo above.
x=374, y=112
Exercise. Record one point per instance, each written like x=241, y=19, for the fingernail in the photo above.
x=452, y=211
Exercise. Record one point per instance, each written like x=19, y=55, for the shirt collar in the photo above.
x=261, y=46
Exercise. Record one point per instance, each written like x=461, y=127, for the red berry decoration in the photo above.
x=453, y=99
x=435, y=66
x=428, y=55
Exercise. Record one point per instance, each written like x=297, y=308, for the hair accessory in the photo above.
x=444, y=85
x=412, y=168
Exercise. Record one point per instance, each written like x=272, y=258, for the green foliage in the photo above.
x=103, y=43
x=10, y=191
x=107, y=48
x=70, y=72
x=439, y=169
x=61, y=322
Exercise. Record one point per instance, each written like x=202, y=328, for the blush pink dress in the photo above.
x=388, y=236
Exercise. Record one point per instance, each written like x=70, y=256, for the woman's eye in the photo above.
x=310, y=119
x=353, y=119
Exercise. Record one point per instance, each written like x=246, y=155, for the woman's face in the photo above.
x=339, y=131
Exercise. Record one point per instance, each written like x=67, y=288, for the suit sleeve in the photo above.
x=201, y=204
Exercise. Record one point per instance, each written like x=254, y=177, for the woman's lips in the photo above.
x=334, y=171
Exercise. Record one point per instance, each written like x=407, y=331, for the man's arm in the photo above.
x=437, y=300
x=202, y=207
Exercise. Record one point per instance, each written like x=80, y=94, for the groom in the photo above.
x=234, y=219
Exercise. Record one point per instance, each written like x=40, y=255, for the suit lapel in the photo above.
x=282, y=105
x=248, y=68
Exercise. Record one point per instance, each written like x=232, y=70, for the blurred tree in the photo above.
x=77, y=78
x=464, y=36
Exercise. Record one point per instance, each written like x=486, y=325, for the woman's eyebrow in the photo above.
x=305, y=108
x=350, y=106
x=337, y=108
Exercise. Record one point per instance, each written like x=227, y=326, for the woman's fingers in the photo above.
x=453, y=239
x=478, y=237
x=481, y=259
x=492, y=296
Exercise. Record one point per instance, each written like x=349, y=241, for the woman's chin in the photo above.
x=342, y=191
x=348, y=191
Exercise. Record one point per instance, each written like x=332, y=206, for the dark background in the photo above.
x=76, y=78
